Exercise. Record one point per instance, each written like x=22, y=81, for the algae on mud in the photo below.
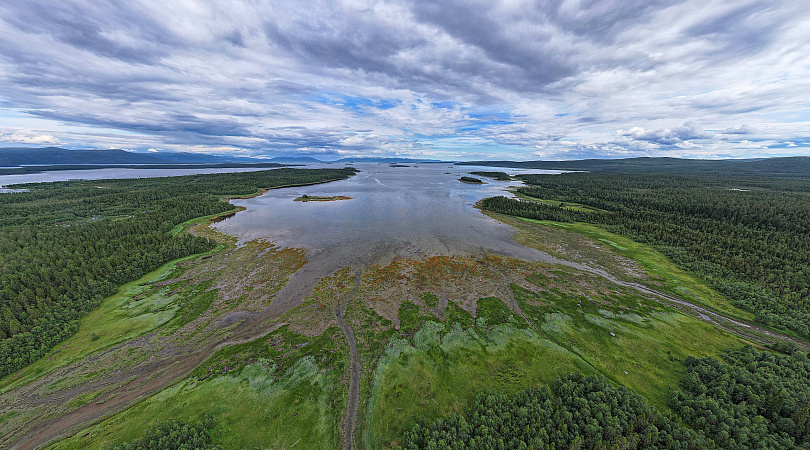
x=436, y=317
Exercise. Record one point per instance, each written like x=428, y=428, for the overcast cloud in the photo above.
x=553, y=79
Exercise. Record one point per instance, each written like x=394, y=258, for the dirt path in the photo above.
x=750, y=331
x=354, y=386
x=45, y=432
x=162, y=374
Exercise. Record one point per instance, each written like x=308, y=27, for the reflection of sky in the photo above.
x=410, y=211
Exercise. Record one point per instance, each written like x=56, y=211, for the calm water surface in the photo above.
x=395, y=211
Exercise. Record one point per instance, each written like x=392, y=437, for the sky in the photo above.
x=450, y=79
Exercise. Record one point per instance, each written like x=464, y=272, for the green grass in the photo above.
x=666, y=276
x=194, y=300
x=198, y=220
x=278, y=391
x=491, y=311
x=283, y=347
x=372, y=333
x=624, y=336
x=437, y=375
x=120, y=317
x=411, y=317
x=442, y=367
x=567, y=205
x=454, y=314
x=430, y=299
x=252, y=410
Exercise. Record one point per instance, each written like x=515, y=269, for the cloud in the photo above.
x=742, y=129
x=681, y=135
x=407, y=76
x=23, y=136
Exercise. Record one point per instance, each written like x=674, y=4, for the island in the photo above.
x=499, y=176
x=470, y=180
x=318, y=198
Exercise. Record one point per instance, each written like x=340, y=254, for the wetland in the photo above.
x=350, y=324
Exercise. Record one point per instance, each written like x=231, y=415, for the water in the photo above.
x=111, y=173
x=414, y=212
x=410, y=212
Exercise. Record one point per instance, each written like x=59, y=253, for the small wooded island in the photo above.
x=318, y=198
x=500, y=176
x=470, y=180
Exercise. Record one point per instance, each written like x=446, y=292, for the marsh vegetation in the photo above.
x=569, y=337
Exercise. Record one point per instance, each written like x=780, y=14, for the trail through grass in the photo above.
x=281, y=390
x=665, y=275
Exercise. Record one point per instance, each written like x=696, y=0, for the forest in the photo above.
x=573, y=412
x=747, y=237
x=755, y=400
x=788, y=167
x=68, y=245
x=500, y=176
x=175, y=435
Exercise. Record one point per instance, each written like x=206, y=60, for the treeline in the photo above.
x=749, y=238
x=61, y=167
x=68, y=245
x=755, y=400
x=500, y=176
x=174, y=435
x=532, y=210
x=574, y=412
x=789, y=167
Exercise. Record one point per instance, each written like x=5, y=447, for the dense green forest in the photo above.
x=60, y=167
x=756, y=400
x=175, y=435
x=573, y=412
x=68, y=245
x=500, y=176
x=749, y=238
x=470, y=180
x=792, y=167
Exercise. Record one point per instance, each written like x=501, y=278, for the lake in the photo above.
x=409, y=212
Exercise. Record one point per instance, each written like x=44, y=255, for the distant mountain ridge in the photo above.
x=17, y=156
x=294, y=159
x=22, y=156
x=387, y=160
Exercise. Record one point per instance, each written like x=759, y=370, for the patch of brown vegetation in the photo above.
x=317, y=312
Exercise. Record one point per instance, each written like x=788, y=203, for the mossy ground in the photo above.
x=252, y=408
x=136, y=309
x=596, y=245
x=431, y=334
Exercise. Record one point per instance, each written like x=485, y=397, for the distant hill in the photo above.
x=794, y=166
x=386, y=160
x=17, y=156
x=191, y=158
x=23, y=156
x=294, y=159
